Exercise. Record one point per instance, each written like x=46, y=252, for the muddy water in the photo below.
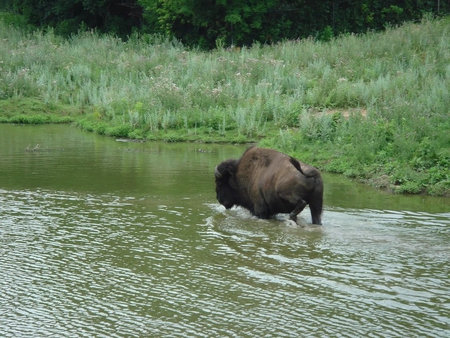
x=100, y=238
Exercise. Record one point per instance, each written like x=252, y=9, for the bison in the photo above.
x=267, y=182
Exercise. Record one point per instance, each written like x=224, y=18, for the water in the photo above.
x=100, y=238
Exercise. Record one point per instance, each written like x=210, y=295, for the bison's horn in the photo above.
x=217, y=173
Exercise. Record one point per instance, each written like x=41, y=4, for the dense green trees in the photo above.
x=236, y=22
x=208, y=23
x=69, y=16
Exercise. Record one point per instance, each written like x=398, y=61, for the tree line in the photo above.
x=213, y=23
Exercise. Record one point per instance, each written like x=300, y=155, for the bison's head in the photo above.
x=225, y=183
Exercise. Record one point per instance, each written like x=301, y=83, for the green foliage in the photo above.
x=223, y=23
x=368, y=106
x=68, y=17
x=16, y=20
x=211, y=24
x=26, y=110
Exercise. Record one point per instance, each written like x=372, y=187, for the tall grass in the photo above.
x=399, y=78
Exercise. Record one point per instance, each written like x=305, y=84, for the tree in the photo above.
x=211, y=23
x=68, y=16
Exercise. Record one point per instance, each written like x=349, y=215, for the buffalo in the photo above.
x=267, y=182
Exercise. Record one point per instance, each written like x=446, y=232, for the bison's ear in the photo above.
x=225, y=169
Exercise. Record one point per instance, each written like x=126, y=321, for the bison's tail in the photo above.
x=309, y=173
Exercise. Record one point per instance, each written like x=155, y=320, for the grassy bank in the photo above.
x=373, y=107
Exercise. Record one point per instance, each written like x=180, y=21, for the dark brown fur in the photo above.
x=268, y=182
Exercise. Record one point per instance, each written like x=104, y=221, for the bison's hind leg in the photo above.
x=298, y=209
x=316, y=212
x=291, y=200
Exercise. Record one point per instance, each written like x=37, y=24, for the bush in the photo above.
x=360, y=105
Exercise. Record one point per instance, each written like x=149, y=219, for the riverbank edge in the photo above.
x=322, y=155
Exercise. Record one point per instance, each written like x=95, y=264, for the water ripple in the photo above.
x=83, y=265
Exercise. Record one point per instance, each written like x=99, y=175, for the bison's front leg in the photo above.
x=298, y=209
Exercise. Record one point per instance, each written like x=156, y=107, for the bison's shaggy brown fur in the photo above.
x=268, y=182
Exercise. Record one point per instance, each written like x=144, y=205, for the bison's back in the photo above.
x=262, y=162
x=273, y=181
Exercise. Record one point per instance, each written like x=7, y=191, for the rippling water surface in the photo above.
x=100, y=238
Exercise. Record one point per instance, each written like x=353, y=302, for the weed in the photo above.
x=297, y=94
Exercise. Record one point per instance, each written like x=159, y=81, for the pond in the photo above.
x=101, y=238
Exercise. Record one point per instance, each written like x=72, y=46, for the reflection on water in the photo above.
x=140, y=248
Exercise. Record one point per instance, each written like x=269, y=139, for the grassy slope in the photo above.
x=303, y=97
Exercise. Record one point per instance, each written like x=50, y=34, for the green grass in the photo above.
x=373, y=107
x=26, y=110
